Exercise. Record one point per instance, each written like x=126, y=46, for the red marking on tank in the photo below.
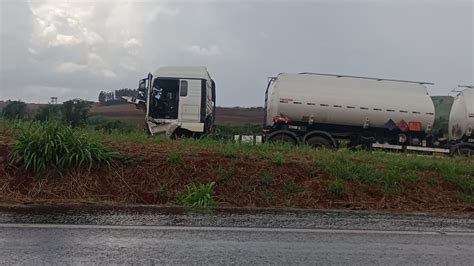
x=280, y=119
x=403, y=126
x=414, y=126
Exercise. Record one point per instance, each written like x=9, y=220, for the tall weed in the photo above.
x=47, y=147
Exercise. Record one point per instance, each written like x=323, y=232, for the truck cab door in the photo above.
x=190, y=100
x=147, y=84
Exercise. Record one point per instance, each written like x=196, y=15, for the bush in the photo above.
x=49, y=112
x=43, y=148
x=76, y=112
x=15, y=110
x=197, y=196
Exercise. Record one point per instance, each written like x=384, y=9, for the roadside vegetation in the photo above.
x=197, y=196
x=49, y=147
x=14, y=110
x=50, y=158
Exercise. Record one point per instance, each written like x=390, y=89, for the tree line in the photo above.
x=115, y=97
x=73, y=112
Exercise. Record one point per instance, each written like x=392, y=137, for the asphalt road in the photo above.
x=27, y=238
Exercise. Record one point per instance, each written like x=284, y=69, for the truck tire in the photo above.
x=283, y=138
x=319, y=142
x=466, y=151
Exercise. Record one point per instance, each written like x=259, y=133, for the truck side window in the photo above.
x=183, y=88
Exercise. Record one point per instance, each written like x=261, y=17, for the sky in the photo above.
x=75, y=49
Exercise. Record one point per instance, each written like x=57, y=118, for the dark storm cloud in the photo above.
x=75, y=49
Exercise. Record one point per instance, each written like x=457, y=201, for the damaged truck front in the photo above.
x=178, y=101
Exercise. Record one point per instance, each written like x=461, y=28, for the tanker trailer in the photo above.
x=461, y=122
x=323, y=109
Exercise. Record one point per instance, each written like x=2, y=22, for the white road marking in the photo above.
x=235, y=229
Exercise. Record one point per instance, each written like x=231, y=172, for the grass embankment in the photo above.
x=207, y=172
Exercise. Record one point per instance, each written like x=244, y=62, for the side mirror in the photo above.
x=142, y=85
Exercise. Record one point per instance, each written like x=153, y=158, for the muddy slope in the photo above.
x=240, y=182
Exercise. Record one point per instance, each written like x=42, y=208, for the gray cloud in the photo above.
x=75, y=49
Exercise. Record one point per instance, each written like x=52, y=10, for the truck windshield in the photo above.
x=164, y=100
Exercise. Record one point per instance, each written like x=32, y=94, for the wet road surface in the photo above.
x=147, y=236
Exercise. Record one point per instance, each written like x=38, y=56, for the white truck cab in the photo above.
x=178, y=101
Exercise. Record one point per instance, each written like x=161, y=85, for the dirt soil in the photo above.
x=150, y=179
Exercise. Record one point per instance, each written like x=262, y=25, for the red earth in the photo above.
x=150, y=179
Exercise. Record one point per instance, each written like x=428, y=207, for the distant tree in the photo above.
x=49, y=112
x=102, y=97
x=15, y=110
x=76, y=112
x=125, y=92
x=115, y=97
x=110, y=97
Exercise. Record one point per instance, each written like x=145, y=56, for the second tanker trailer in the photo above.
x=322, y=110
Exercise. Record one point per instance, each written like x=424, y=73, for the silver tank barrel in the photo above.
x=348, y=100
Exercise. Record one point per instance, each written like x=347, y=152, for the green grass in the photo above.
x=292, y=188
x=390, y=170
x=225, y=173
x=266, y=179
x=278, y=159
x=364, y=168
x=314, y=170
x=230, y=131
x=174, y=157
x=53, y=147
x=268, y=196
x=337, y=188
x=106, y=125
x=385, y=169
x=198, y=196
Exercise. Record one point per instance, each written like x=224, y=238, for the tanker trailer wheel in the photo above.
x=283, y=138
x=319, y=142
x=467, y=152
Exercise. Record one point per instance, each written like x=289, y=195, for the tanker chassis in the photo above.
x=324, y=110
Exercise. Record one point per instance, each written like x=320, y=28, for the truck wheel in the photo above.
x=468, y=152
x=319, y=142
x=283, y=138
